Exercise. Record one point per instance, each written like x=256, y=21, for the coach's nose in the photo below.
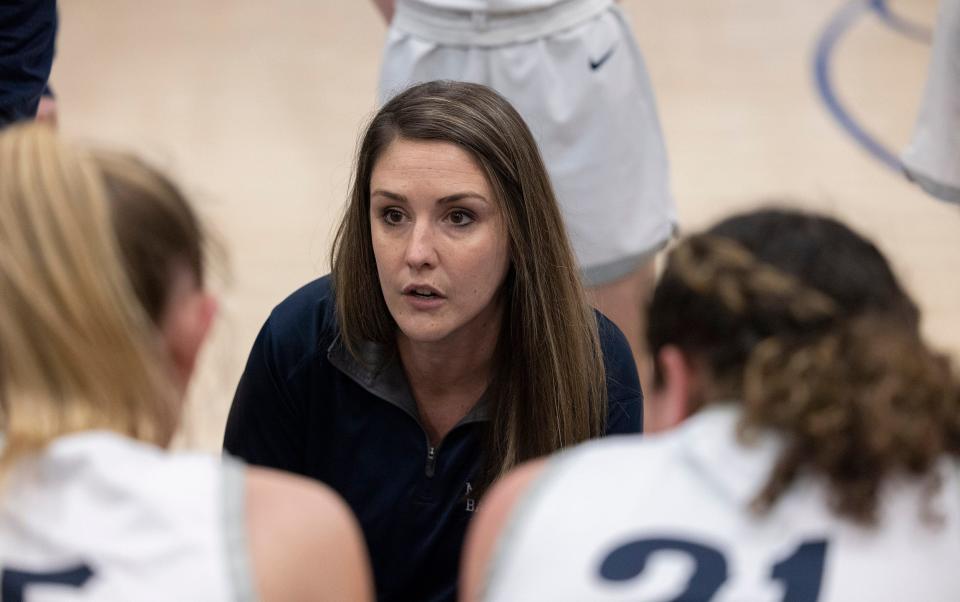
x=421, y=251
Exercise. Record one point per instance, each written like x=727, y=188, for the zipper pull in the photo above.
x=431, y=460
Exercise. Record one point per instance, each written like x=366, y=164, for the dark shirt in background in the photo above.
x=28, y=31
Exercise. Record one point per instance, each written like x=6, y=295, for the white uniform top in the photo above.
x=490, y=6
x=648, y=518
x=933, y=157
x=98, y=516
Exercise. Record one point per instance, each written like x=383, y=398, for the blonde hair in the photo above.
x=549, y=387
x=78, y=348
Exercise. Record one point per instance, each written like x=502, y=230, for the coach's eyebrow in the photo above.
x=393, y=196
x=453, y=198
x=450, y=198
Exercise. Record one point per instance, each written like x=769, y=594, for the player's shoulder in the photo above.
x=285, y=503
x=118, y=462
x=614, y=454
x=487, y=528
x=590, y=470
x=293, y=523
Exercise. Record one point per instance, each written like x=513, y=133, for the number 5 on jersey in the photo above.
x=14, y=583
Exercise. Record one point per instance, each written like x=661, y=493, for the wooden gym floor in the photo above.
x=255, y=107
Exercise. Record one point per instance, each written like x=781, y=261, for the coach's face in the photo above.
x=439, y=239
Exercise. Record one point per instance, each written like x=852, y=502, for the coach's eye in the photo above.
x=460, y=217
x=392, y=216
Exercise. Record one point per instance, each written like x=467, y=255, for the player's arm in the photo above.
x=305, y=543
x=487, y=526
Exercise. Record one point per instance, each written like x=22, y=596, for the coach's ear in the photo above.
x=668, y=402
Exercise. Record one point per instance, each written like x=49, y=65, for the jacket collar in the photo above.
x=379, y=371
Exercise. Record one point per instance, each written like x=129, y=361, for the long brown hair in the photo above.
x=549, y=386
x=88, y=246
x=804, y=321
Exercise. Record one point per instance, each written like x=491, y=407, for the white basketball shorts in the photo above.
x=574, y=72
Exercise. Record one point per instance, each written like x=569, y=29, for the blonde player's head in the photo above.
x=803, y=322
x=101, y=304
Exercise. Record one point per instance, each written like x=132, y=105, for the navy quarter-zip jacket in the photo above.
x=306, y=406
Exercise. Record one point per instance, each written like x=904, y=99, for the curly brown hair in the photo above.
x=803, y=320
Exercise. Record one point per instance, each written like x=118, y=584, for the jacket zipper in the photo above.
x=433, y=452
x=431, y=460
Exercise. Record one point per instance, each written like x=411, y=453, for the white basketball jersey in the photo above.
x=98, y=516
x=666, y=518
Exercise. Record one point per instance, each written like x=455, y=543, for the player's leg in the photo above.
x=933, y=157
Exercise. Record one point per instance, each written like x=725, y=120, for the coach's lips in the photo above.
x=423, y=297
x=422, y=291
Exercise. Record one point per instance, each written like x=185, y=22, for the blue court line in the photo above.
x=838, y=25
x=835, y=29
x=918, y=32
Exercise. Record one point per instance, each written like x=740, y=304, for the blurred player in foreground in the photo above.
x=815, y=453
x=102, y=314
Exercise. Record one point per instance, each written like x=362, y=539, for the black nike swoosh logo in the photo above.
x=595, y=64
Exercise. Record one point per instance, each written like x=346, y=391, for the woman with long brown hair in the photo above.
x=451, y=342
x=818, y=452
x=102, y=314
